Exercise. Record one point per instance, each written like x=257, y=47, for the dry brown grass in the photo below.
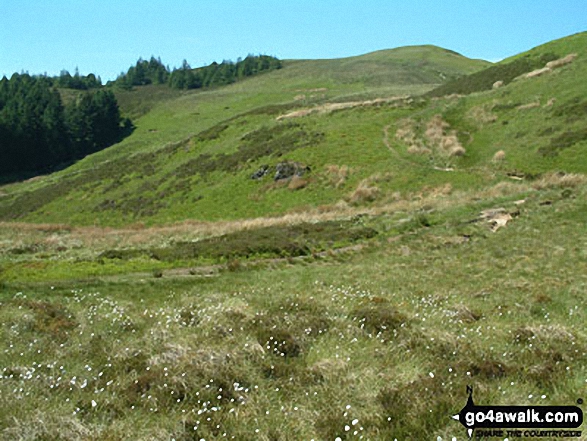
x=538, y=72
x=331, y=107
x=337, y=174
x=532, y=105
x=297, y=183
x=416, y=149
x=365, y=192
x=438, y=137
x=457, y=151
x=481, y=115
x=435, y=192
x=44, y=228
x=504, y=188
x=561, y=61
x=406, y=131
x=550, y=102
x=444, y=141
x=499, y=156
x=559, y=180
x=93, y=240
x=449, y=142
x=435, y=129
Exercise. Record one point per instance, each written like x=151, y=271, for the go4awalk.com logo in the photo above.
x=520, y=421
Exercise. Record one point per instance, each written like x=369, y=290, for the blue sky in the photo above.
x=107, y=36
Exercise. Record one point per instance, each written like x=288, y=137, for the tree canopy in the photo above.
x=144, y=72
x=221, y=74
x=185, y=77
x=38, y=133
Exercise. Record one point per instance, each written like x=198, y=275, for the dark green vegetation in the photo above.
x=76, y=81
x=155, y=72
x=485, y=79
x=38, y=132
x=274, y=241
x=179, y=285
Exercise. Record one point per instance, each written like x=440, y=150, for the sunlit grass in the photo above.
x=379, y=345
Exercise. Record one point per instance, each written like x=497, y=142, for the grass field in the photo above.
x=154, y=291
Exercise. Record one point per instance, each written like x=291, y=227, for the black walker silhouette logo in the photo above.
x=490, y=418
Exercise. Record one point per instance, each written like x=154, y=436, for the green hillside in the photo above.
x=152, y=167
x=193, y=153
x=423, y=238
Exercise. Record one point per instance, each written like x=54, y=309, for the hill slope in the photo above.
x=448, y=251
x=193, y=155
x=133, y=180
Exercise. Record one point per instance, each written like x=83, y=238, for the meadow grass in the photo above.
x=155, y=291
x=376, y=344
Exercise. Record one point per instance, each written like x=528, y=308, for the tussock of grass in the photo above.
x=482, y=115
x=337, y=175
x=499, y=156
x=532, y=105
x=378, y=316
x=561, y=61
x=559, y=180
x=365, y=192
x=51, y=319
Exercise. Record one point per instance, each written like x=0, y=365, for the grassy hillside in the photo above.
x=370, y=342
x=151, y=169
x=192, y=155
x=154, y=290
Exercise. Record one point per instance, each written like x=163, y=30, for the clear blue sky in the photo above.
x=107, y=36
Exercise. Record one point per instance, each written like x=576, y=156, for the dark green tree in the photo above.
x=37, y=133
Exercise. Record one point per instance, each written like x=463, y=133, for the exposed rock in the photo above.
x=261, y=172
x=286, y=170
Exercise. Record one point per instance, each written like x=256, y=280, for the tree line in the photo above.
x=39, y=133
x=154, y=71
